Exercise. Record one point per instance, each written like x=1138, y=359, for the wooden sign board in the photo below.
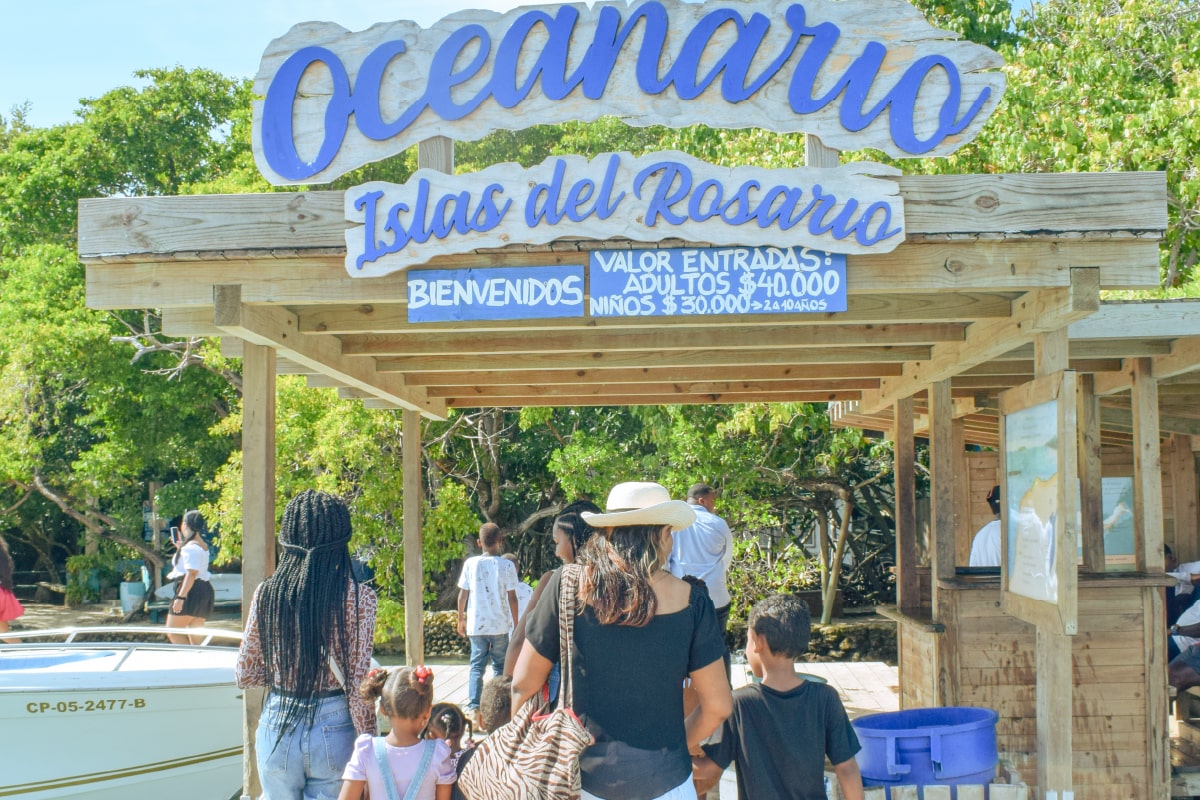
x=1040, y=502
x=855, y=74
x=658, y=196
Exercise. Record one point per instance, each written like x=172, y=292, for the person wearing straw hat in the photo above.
x=640, y=633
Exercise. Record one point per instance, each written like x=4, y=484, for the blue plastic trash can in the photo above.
x=922, y=746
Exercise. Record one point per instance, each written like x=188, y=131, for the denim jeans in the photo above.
x=484, y=648
x=307, y=763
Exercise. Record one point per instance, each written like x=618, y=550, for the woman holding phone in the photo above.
x=193, y=601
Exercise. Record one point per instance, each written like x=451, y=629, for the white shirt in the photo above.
x=985, y=549
x=191, y=556
x=704, y=549
x=1190, y=616
x=1183, y=577
x=524, y=593
x=489, y=579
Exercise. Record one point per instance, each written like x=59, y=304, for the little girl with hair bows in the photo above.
x=402, y=764
x=448, y=722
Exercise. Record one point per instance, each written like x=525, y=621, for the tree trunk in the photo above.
x=835, y=568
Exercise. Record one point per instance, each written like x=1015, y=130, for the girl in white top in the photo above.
x=193, y=601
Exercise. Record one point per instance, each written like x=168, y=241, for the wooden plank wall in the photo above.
x=996, y=670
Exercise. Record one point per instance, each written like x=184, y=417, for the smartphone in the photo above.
x=176, y=536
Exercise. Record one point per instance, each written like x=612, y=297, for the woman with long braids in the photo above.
x=308, y=636
x=639, y=634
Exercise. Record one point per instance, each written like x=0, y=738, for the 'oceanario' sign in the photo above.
x=659, y=196
x=857, y=74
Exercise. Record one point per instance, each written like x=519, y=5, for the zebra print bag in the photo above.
x=535, y=756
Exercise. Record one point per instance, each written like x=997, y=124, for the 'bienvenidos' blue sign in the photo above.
x=443, y=295
x=724, y=280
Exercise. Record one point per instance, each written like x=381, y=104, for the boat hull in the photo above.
x=101, y=723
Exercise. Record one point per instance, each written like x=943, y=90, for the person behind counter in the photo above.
x=193, y=600
x=985, y=548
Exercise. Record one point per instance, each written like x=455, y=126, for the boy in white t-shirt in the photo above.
x=487, y=608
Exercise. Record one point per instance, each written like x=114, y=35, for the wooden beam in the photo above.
x=618, y=398
x=1123, y=419
x=1183, y=358
x=830, y=376
x=258, y=518
x=414, y=580
x=802, y=391
x=934, y=205
x=1185, y=494
x=305, y=279
x=1171, y=320
x=1035, y=313
x=1147, y=470
x=587, y=340
x=1023, y=367
x=1091, y=505
x=1055, y=684
x=275, y=327
x=943, y=462
x=860, y=309
x=908, y=594
x=672, y=359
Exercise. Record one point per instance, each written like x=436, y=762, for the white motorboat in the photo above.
x=119, y=719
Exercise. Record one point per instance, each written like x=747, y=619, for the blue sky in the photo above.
x=58, y=51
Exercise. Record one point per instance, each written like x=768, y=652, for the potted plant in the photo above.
x=132, y=590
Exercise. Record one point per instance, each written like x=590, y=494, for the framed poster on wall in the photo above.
x=1040, y=511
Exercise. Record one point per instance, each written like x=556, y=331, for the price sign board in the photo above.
x=725, y=280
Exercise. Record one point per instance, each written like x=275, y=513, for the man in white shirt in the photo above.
x=487, y=608
x=704, y=550
x=985, y=548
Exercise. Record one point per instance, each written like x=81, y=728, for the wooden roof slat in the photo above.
x=585, y=340
x=806, y=392
x=672, y=358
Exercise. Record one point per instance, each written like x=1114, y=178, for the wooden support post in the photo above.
x=1157, y=747
x=436, y=153
x=908, y=591
x=944, y=462
x=1090, y=497
x=414, y=582
x=1147, y=469
x=962, y=494
x=816, y=154
x=1054, y=710
x=1055, y=675
x=258, y=517
x=1185, y=497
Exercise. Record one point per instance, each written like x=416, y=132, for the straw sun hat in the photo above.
x=642, y=503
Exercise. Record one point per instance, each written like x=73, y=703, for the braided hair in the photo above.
x=575, y=526
x=447, y=721
x=302, y=606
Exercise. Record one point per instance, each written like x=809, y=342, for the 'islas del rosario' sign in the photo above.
x=857, y=74
x=638, y=283
x=659, y=196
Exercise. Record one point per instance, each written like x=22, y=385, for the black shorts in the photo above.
x=199, y=601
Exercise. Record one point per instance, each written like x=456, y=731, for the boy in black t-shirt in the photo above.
x=775, y=724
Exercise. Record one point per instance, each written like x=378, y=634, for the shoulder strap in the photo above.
x=385, y=769
x=414, y=786
x=568, y=592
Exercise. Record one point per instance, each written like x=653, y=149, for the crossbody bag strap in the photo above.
x=567, y=605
